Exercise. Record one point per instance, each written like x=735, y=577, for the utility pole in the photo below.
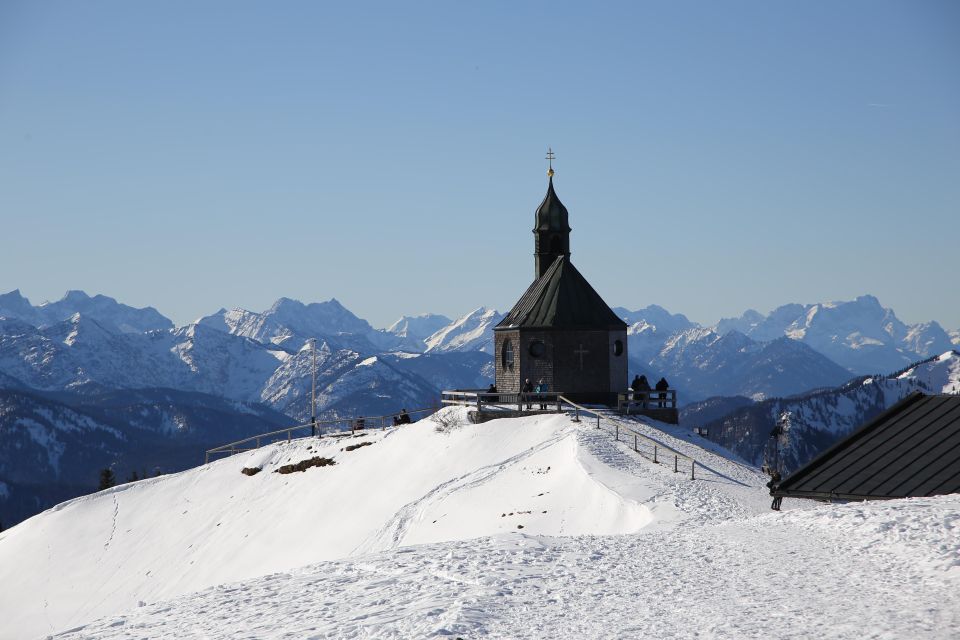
x=313, y=389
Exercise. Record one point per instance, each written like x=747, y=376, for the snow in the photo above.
x=772, y=576
x=523, y=528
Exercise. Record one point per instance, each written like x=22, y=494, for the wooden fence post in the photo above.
x=675, y=461
x=693, y=469
x=617, y=426
x=638, y=451
x=654, y=454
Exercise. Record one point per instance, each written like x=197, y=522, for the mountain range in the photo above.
x=88, y=347
x=809, y=423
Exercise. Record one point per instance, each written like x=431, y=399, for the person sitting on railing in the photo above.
x=662, y=387
x=641, y=389
x=527, y=391
x=404, y=417
x=492, y=389
x=359, y=424
x=542, y=388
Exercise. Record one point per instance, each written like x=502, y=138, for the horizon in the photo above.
x=457, y=316
x=713, y=158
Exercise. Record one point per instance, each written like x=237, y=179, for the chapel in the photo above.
x=561, y=332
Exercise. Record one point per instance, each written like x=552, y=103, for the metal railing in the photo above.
x=481, y=398
x=647, y=447
x=319, y=428
x=644, y=400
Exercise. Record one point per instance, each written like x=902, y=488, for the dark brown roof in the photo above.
x=551, y=214
x=561, y=299
x=910, y=450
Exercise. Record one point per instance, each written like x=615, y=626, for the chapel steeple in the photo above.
x=552, y=229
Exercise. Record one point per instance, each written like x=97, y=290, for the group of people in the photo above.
x=641, y=390
x=528, y=389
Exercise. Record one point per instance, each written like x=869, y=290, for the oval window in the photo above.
x=507, y=358
x=618, y=347
x=537, y=349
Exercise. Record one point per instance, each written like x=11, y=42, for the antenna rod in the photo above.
x=313, y=389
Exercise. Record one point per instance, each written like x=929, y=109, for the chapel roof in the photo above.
x=561, y=299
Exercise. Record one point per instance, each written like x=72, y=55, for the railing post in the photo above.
x=675, y=470
x=617, y=436
x=638, y=450
x=258, y=443
x=654, y=454
x=576, y=418
x=693, y=469
x=207, y=458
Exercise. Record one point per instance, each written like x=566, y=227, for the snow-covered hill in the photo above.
x=817, y=420
x=433, y=481
x=53, y=445
x=524, y=528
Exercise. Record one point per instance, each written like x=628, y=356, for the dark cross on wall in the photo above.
x=581, y=352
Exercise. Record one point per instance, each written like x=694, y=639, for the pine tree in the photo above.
x=133, y=477
x=107, y=479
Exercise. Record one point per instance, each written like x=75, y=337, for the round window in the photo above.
x=537, y=349
x=618, y=347
x=507, y=354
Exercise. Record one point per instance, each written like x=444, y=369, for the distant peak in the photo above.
x=74, y=295
x=286, y=303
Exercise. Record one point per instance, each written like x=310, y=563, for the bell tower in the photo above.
x=551, y=230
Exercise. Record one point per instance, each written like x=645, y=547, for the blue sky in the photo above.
x=713, y=156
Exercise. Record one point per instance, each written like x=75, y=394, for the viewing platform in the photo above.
x=659, y=405
x=490, y=406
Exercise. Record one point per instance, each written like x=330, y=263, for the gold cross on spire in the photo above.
x=550, y=157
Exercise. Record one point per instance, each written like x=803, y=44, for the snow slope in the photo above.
x=870, y=570
x=431, y=482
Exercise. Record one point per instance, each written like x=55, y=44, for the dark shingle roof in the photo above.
x=910, y=450
x=561, y=299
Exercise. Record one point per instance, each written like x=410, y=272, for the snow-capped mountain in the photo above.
x=290, y=323
x=471, y=332
x=53, y=445
x=955, y=337
x=860, y=335
x=656, y=317
x=816, y=420
x=419, y=327
x=348, y=384
x=107, y=312
x=79, y=351
x=701, y=363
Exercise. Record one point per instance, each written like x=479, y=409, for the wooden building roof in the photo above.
x=910, y=450
x=561, y=299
